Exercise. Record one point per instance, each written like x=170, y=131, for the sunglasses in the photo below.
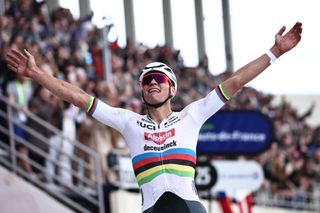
x=158, y=77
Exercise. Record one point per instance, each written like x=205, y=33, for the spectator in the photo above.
x=63, y=39
x=49, y=112
x=19, y=93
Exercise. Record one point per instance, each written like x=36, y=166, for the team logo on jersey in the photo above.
x=172, y=121
x=159, y=137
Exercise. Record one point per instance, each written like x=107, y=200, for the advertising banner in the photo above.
x=235, y=132
x=229, y=176
x=237, y=176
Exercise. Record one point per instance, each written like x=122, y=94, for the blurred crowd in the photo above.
x=72, y=50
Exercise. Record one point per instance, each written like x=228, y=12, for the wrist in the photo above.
x=275, y=51
x=34, y=72
x=271, y=56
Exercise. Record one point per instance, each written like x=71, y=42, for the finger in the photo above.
x=12, y=58
x=298, y=24
x=11, y=61
x=283, y=28
x=27, y=53
x=296, y=27
x=18, y=54
x=299, y=30
x=12, y=68
x=10, y=53
x=299, y=38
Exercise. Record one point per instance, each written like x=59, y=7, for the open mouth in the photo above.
x=152, y=90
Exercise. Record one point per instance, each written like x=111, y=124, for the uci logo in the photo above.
x=146, y=126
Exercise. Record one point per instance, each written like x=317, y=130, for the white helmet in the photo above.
x=159, y=67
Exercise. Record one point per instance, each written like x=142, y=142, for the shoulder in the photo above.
x=100, y=108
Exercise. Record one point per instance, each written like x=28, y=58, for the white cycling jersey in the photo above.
x=163, y=155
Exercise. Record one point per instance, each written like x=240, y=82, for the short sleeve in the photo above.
x=204, y=108
x=111, y=116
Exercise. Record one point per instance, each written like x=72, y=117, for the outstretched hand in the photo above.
x=21, y=63
x=286, y=42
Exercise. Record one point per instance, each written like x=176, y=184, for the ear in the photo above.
x=173, y=90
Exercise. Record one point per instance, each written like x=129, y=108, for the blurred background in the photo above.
x=53, y=157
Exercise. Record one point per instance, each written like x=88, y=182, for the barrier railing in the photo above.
x=83, y=188
x=302, y=201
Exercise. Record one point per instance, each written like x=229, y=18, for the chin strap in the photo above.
x=158, y=104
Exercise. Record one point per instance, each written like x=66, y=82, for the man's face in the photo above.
x=156, y=87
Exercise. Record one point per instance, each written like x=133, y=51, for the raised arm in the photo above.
x=283, y=43
x=24, y=64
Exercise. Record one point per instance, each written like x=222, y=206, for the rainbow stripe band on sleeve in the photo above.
x=92, y=105
x=222, y=93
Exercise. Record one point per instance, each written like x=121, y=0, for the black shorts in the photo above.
x=169, y=202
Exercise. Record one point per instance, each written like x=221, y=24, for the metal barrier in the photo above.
x=89, y=191
x=305, y=201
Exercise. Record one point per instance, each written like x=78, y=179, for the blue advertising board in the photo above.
x=235, y=132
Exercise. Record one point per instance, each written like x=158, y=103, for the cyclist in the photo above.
x=162, y=143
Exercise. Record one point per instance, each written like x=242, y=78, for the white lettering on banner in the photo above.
x=231, y=136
